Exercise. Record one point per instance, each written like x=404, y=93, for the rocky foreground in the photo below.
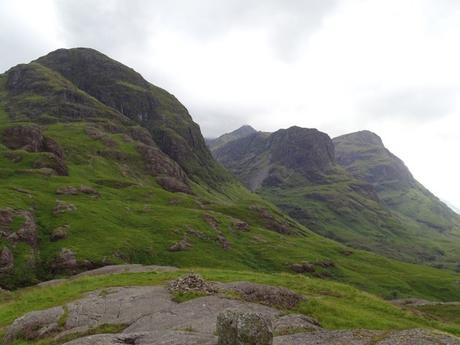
x=225, y=314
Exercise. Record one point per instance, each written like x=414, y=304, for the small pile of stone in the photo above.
x=192, y=283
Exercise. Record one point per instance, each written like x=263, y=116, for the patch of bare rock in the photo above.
x=150, y=317
x=31, y=138
x=72, y=190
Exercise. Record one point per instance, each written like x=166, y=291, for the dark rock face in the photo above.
x=302, y=149
x=83, y=84
x=168, y=173
x=265, y=160
x=31, y=138
x=271, y=222
x=122, y=89
x=364, y=155
x=240, y=133
x=54, y=97
x=368, y=147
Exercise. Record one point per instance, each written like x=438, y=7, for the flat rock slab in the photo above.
x=366, y=337
x=294, y=323
x=152, y=318
x=35, y=324
x=122, y=305
x=117, y=306
x=198, y=315
x=148, y=338
x=418, y=337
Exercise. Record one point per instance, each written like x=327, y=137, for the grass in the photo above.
x=449, y=313
x=334, y=305
x=181, y=297
x=136, y=221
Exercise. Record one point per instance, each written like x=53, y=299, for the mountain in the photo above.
x=365, y=157
x=241, y=132
x=350, y=189
x=100, y=167
x=126, y=91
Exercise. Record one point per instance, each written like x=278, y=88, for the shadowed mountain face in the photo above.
x=263, y=159
x=126, y=91
x=351, y=189
x=365, y=157
x=241, y=132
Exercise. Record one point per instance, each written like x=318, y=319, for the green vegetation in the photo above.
x=133, y=220
x=181, y=297
x=76, y=163
x=449, y=313
x=363, y=197
x=334, y=305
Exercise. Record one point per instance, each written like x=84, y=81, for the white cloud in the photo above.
x=337, y=65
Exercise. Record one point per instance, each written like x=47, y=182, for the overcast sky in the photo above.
x=390, y=66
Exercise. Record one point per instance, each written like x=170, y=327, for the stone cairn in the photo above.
x=192, y=283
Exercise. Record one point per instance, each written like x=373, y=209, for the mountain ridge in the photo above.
x=352, y=193
x=85, y=186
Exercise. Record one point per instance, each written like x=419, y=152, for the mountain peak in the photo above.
x=245, y=130
x=364, y=137
x=242, y=132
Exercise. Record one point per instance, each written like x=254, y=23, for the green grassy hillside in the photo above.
x=84, y=185
x=365, y=157
x=327, y=188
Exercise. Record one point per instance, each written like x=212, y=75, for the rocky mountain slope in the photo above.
x=351, y=189
x=99, y=167
x=241, y=132
x=365, y=157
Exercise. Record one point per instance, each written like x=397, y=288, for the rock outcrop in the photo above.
x=24, y=231
x=6, y=260
x=239, y=328
x=129, y=95
x=277, y=297
x=31, y=138
x=259, y=159
x=150, y=317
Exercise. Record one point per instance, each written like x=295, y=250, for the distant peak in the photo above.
x=364, y=137
x=246, y=129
